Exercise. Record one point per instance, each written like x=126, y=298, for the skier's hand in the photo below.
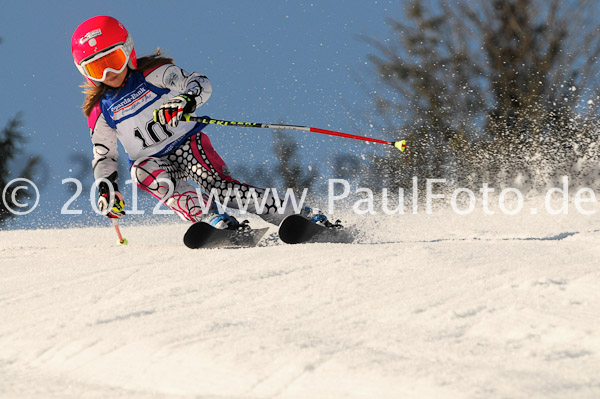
x=112, y=208
x=172, y=111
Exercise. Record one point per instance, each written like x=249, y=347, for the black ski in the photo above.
x=203, y=235
x=296, y=229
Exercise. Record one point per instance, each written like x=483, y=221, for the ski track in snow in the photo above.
x=422, y=306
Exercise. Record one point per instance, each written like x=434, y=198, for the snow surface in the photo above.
x=423, y=306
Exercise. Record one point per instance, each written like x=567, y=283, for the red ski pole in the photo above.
x=122, y=240
x=400, y=145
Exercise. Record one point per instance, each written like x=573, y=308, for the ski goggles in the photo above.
x=114, y=60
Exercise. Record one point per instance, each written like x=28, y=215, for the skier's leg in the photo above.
x=160, y=178
x=202, y=163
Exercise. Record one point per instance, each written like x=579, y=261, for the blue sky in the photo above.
x=300, y=62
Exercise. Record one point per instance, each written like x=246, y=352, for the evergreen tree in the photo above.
x=289, y=167
x=11, y=141
x=494, y=91
x=289, y=171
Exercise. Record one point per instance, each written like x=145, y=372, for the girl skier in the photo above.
x=140, y=102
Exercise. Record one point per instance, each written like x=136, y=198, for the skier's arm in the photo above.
x=172, y=77
x=104, y=164
x=195, y=88
x=104, y=141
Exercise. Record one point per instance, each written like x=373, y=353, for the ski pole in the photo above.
x=400, y=145
x=122, y=240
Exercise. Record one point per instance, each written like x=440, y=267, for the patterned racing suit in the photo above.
x=163, y=158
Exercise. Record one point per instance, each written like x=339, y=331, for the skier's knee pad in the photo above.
x=150, y=174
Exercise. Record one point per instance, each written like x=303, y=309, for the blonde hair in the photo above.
x=93, y=94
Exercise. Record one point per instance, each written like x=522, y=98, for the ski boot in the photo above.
x=318, y=217
x=223, y=220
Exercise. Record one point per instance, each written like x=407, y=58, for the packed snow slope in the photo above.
x=422, y=306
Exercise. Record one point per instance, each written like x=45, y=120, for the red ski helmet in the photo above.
x=102, y=44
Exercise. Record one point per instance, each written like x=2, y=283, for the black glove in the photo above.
x=172, y=111
x=112, y=209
